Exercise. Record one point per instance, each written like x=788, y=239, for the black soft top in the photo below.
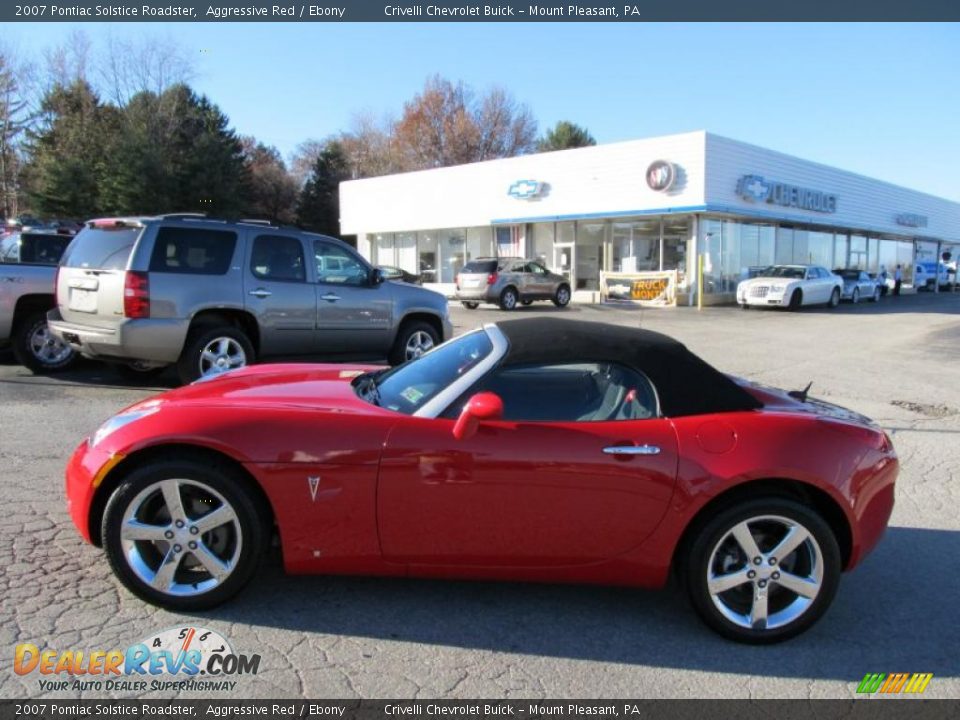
x=685, y=383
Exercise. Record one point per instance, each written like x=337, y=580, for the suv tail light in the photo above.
x=491, y=278
x=136, y=295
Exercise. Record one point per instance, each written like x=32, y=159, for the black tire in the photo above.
x=744, y=306
x=189, y=364
x=715, y=535
x=470, y=305
x=562, y=297
x=254, y=534
x=855, y=296
x=526, y=302
x=796, y=300
x=509, y=298
x=401, y=351
x=876, y=295
x=834, y=298
x=50, y=356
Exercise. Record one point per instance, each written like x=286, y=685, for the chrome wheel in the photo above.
x=221, y=354
x=47, y=348
x=563, y=296
x=418, y=343
x=765, y=572
x=508, y=300
x=181, y=537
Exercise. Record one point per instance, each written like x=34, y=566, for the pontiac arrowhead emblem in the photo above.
x=314, y=483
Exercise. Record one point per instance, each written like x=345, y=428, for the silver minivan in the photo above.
x=211, y=295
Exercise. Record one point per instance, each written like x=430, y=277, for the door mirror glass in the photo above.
x=480, y=407
x=376, y=277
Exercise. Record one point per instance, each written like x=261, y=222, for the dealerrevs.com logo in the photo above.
x=183, y=658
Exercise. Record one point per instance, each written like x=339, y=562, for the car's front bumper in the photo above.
x=85, y=471
x=768, y=300
x=153, y=339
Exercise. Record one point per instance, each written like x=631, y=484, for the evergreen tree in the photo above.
x=565, y=135
x=319, y=205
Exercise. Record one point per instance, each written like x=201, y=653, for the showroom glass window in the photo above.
x=784, y=252
x=841, y=248
x=858, y=252
x=542, y=249
x=383, y=249
x=479, y=242
x=589, y=254
x=820, y=248
x=676, y=235
x=405, y=249
x=428, y=257
x=711, y=241
x=635, y=245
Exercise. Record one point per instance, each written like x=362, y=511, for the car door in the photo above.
x=353, y=314
x=540, y=280
x=279, y=295
x=549, y=485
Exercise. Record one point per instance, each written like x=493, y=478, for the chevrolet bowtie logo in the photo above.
x=525, y=189
x=753, y=187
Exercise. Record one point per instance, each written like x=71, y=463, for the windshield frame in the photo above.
x=439, y=402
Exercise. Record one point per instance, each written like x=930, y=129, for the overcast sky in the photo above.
x=878, y=99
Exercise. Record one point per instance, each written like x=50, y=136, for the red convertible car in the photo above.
x=541, y=449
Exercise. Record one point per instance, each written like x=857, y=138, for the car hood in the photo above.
x=316, y=387
x=764, y=280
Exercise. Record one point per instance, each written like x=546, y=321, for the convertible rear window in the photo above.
x=411, y=385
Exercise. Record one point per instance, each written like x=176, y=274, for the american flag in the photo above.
x=510, y=241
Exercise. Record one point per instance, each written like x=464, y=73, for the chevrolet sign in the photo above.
x=755, y=189
x=525, y=189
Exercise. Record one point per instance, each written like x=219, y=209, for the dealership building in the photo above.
x=677, y=205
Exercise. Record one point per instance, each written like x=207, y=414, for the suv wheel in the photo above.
x=38, y=349
x=562, y=298
x=470, y=305
x=508, y=299
x=211, y=351
x=413, y=340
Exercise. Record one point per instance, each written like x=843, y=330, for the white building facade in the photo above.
x=646, y=205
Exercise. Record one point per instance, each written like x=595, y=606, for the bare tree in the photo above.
x=304, y=158
x=147, y=64
x=68, y=62
x=15, y=117
x=370, y=147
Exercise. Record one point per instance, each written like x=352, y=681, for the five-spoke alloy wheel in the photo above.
x=763, y=571
x=183, y=535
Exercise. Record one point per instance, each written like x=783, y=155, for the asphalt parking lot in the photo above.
x=898, y=362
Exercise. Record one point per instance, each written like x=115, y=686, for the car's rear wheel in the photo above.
x=855, y=296
x=508, y=299
x=796, y=299
x=414, y=339
x=876, y=295
x=183, y=535
x=763, y=571
x=212, y=351
x=36, y=348
x=835, y=298
x=562, y=297
x=470, y=305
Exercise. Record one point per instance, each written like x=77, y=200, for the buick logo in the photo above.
x=661, y=175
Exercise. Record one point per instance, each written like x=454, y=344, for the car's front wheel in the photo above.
x=562, y=297
x=35, y=347
x=183, y=535
x=413, y=340
x=855, y=296
x=763, y=571
x=835, y=298
x=796, y=300
x=211, y=351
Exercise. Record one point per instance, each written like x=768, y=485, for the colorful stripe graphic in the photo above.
x=893, y=683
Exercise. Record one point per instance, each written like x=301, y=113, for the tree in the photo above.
x=14, y=119
x=67, y=151
x=319, y=206
x=446, y=124
x=565, y=135
x=272, y=191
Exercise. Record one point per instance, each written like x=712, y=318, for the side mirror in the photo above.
x=482, y=406
x=376, y=277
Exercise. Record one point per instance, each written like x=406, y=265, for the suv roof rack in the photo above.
x=174, y=216
x=258, y=221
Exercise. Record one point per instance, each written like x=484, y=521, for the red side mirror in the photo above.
x=482, y=406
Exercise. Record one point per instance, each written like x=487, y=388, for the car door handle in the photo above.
x=632, y=450
x=330, y=297
x=261, y=293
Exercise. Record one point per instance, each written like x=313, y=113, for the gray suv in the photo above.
x=210, y=295
x=508, y=281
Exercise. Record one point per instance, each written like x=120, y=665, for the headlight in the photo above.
x=777, y=288
x=122, y=420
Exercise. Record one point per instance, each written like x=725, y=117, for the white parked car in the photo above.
x=791, y=286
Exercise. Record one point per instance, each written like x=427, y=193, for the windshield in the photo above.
x=410, y=386
x=101, y=249
x=783, y=271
